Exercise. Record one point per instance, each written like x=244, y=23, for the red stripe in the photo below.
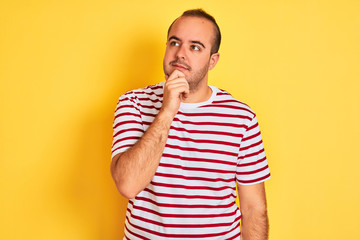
x=193, y=178
x=224, y=124
x=223, y=93
x=128, y=130
x=148, y=93
x=228, y=106
x=127, y=122
x=133, y=99
x=168, y=205
x=127, y=114
x=155, y=87
x=202, y=150
x=251, y=146
x=251, y=137
x=253, y=126
x=190, y=196
x=207, y=132
x=214, y=115
x=149, y=107
x=124, y=146
x=230, y=101
x=197, y=159
x=171, y=215
x=192, y=187
x=252, y=172
x=252, y=154
x=131, y=106
x=125, y=139
x=235, y=236
x=195, y=236
x=149, y=99
x=148, y=114
x=252, y=163
x=236, y=116
x=167, y=225
x=253, y=180
x=127, y=97
x=204, y=141
x=209, y=170
x=135, y=234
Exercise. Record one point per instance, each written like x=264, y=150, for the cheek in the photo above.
x=201, y=62
x=167, y=57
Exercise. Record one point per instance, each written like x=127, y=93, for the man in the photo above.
x=181, y=147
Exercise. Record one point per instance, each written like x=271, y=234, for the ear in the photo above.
x=214, y=58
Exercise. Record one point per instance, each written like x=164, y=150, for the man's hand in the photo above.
x=134, y=169
x=176, y=90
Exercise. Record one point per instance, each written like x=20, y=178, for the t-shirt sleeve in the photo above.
x=252, y=166
x=127, y=126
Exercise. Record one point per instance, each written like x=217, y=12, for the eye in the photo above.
x=195, y=47
x=173, y=43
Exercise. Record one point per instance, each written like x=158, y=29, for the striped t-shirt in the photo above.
x=211, y=146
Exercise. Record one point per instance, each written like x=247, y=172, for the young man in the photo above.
x=181, y=147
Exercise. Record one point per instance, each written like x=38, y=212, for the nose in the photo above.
x=181, y=52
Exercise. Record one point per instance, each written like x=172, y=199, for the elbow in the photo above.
x=124, y=187
x=126, y=191
x=259, y=210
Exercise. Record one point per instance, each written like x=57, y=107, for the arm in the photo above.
x=134, y=169
x=254, y=219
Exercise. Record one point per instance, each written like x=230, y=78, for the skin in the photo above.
x=254, y=219
x=186, y=64
x=188, y=51
x=187, y=61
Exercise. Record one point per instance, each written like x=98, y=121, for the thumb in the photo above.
x=185, y=95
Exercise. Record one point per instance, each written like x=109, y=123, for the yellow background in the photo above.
x=63, y=65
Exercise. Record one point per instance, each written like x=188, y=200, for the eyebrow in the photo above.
x=198, y=42
x=178, y=39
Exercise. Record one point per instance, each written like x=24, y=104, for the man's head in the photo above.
x=192, y=44
x=202, y=14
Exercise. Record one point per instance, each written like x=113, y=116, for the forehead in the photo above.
x=190, y=28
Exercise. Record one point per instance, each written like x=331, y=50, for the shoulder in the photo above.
x=147, y=93
x=225, y=100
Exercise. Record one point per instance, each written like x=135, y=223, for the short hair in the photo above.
x=202, y=14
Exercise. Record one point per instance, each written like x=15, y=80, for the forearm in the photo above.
x=255, y=225
x=134, y=169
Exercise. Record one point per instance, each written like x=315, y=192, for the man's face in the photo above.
x=188, y=49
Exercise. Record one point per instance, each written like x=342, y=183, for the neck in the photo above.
x=201, y=94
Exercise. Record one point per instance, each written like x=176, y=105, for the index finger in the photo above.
x=176, y=74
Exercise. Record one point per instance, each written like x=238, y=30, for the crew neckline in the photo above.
x=199, y=104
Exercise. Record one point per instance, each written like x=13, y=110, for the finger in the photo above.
x=176, y=74
x=178, y=88
x=177, y=83
x=181, y=81
x=186, y=93
x=184, y=96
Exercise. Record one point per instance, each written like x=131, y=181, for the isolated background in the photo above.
x=63, y=65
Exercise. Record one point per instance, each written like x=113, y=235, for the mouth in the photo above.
x=180, y=66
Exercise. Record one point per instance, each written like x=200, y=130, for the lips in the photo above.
x=180, y=66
